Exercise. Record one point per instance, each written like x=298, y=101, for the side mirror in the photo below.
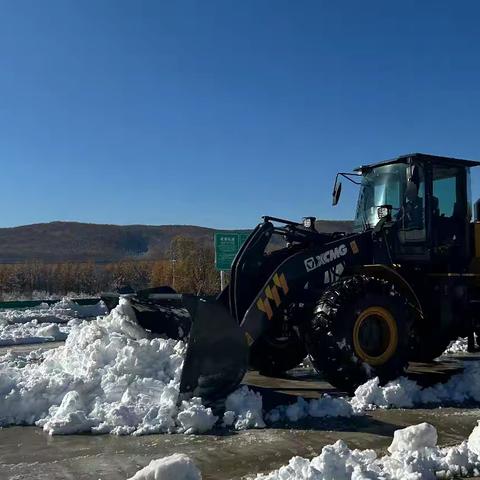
x=337, y=190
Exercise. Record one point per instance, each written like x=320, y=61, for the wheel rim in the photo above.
x=375, y=335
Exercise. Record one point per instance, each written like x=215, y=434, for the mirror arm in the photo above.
x=347, y=175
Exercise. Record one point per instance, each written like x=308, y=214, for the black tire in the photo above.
x=274, y=356
x=362, y=328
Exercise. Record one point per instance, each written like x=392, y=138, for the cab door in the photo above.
x=450, y=212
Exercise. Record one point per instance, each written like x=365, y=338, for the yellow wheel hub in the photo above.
x=375, y=335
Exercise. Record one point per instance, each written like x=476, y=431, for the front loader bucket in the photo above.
x=217, y=352
x=164, y=315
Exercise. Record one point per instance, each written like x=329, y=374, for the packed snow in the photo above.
x=44, y=323
x=174, y=467
x=413, y=455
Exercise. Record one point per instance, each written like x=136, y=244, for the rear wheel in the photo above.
x=362, y=328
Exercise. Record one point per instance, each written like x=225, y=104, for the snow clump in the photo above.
x=413, y=455
x=457, y=346
x=174, y=467
x=31, y=332
x=60, y=312
x=404, y=393
x=244, y=409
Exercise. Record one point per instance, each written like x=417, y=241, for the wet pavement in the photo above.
x=28, y=452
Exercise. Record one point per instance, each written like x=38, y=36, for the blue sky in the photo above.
x=217, y=112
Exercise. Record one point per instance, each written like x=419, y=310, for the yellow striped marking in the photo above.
x=264, y=306
x=249, y=338
x=272, y=293
x=281, y=281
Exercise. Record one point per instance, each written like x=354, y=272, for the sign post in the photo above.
x=227, y=244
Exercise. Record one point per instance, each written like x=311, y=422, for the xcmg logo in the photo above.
x=326, y=257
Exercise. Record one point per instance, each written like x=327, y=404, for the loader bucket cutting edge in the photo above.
x=217, y=352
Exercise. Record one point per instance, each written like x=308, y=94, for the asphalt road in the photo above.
x=29, y=453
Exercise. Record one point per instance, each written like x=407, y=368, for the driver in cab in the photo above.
x=412, y=208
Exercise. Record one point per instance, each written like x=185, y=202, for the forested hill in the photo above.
x=72, y=241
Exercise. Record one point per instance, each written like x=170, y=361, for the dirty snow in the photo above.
x=324, y=406
x=413, y=455
x=174, y=467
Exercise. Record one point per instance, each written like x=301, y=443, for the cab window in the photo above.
x=447, y=182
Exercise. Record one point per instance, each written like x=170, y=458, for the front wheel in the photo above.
x=362, y=327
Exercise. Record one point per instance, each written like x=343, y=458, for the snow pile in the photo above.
x=44, y=323
x=404, y=393
x=31, y=332
x=325, y=406
x=461, y=388
x=413, y=455
x=60, y=312
x=107, y=378
x=110, y=377
x=174, y=467
x=457, y=346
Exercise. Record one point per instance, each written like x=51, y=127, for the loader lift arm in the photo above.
x=245, y=272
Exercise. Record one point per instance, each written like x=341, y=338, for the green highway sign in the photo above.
x=227, y=244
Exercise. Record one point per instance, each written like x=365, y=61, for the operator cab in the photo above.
x=426, y=200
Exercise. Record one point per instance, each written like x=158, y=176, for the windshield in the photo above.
x=380, y=186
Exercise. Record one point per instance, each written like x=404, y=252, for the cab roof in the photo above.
x=422, y=157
